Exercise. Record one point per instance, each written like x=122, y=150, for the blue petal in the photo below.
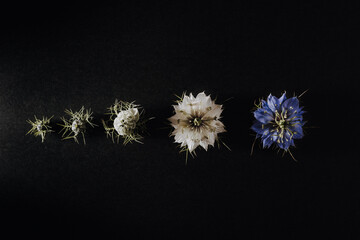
x=297, y=130
x=282, y=98
x=298, y=111
x=263, y=116
x=274, y=137
x=295, y=118
x=272, y=102
x=291, y=104
x=267, y=142
x=284, y=144
x=265, y=106
x=257, y=127
x=263, y=103
x=266, y=133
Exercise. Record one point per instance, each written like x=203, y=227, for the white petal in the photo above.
x=191, y=96
x=200, y=95
x=214, y=112
x=204, y=144
x=211, y=138
x=134, y=112
x=192, y=145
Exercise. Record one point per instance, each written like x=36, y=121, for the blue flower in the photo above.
x=278, y=121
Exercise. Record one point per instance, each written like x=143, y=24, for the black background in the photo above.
x=61, y=56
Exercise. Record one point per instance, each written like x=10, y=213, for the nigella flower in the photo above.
x=279, y=122
x=196, y=122
x=40, y=127
x=76, y=124
x=126, y=121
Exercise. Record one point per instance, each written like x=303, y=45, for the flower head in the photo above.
x=76, y=124
x=40, y=127
x=196, y=122
x=278, y=121
x=125, y=121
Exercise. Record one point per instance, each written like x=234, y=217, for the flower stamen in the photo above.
x=197, y=122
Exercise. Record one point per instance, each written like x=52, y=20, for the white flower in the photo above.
x=126, y=121
x=196, y=121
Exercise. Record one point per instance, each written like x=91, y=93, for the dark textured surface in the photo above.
x=57, y=57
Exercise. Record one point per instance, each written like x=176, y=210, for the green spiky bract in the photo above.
x=40, y=127
x=84, y=116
